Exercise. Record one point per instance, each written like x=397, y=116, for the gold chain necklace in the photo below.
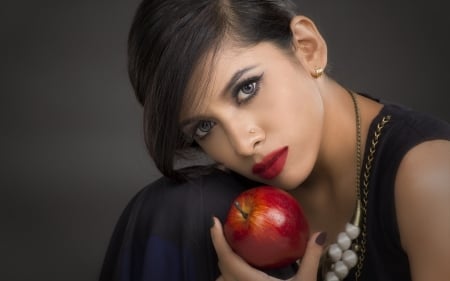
x=368, y=167
x=346, y=254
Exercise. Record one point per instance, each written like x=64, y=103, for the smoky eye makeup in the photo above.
x=198, y=130
x=246, y=89
x=202, y=128
x=242, y=92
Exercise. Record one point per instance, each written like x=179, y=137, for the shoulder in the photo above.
x=164, y=229
x=415, y=161
x=424, y=172
x=177, y=210
x=422, y=145
x=417, y=123
x=426, y=164
x=422, y=196
x=196, y=197
x=406, y=130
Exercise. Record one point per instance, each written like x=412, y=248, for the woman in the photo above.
x=243, y=82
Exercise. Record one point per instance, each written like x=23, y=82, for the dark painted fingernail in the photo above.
x=321, y=238
x=212, y=221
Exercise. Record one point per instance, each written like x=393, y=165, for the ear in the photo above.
x=309, y=46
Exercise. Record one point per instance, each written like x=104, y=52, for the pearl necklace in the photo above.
x=343, y=257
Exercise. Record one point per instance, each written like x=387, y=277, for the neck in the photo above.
x=329, y=194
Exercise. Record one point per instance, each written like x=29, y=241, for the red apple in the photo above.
x=267, y=227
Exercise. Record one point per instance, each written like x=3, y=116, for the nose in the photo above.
x=245, y=138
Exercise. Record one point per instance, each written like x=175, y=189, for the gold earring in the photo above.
x=318, y=71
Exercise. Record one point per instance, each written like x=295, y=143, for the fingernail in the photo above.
x=212, y=221
x=321, y=238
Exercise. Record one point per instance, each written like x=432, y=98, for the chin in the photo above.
x=284, y=182
x=290, y=181
x=287, y=186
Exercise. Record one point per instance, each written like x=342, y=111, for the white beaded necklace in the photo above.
x=342, y=256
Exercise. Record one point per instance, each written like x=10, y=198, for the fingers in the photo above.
x=218, y=239
x=310, y=261
x=232, y=266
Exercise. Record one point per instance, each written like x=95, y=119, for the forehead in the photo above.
x=217, y=67
x=208, y=74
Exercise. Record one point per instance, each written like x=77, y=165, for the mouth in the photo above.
x=271, y=165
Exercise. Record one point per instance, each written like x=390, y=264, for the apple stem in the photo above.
x=238, y=206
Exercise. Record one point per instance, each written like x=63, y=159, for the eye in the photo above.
x=203, y=127
x=246, y=92
x=247, y=89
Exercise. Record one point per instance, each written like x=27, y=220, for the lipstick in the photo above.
x=272, y=164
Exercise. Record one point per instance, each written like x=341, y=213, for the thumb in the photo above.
x=310, y=261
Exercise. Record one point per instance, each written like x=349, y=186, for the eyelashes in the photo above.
x=247, y=89
x=242, y=93
x=202, y=128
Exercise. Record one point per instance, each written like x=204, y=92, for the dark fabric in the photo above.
x=385, y=259
x=163, y=233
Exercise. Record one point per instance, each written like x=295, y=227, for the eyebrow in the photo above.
x=234, y=79
x=189, y=121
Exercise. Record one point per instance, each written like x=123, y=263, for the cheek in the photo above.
x=217, y=147
x=291, y=108
x=303, y=121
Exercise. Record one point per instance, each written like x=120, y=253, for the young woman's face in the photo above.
x=261, y=117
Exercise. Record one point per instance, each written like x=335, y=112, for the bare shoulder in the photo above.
x=422, y=197
x=425, y=168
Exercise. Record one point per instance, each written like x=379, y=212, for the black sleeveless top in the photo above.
x=163, y=233
x=385, y=259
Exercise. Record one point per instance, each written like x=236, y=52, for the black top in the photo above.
x=386, y=259
x=163, y=233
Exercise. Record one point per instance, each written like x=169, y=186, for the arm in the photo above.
x=147, y=243
x=163, y=233
x=422, y=199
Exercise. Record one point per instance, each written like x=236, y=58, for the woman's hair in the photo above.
x=168, y=39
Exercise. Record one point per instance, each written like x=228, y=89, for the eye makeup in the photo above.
x=247, y=89
x=241, y=92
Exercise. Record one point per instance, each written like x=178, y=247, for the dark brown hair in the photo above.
x=167, y=40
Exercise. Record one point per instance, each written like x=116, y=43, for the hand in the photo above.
x=234, y=268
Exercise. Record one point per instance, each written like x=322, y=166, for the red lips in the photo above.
x=272, y=165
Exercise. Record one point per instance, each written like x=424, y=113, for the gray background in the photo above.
x=71, y=146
